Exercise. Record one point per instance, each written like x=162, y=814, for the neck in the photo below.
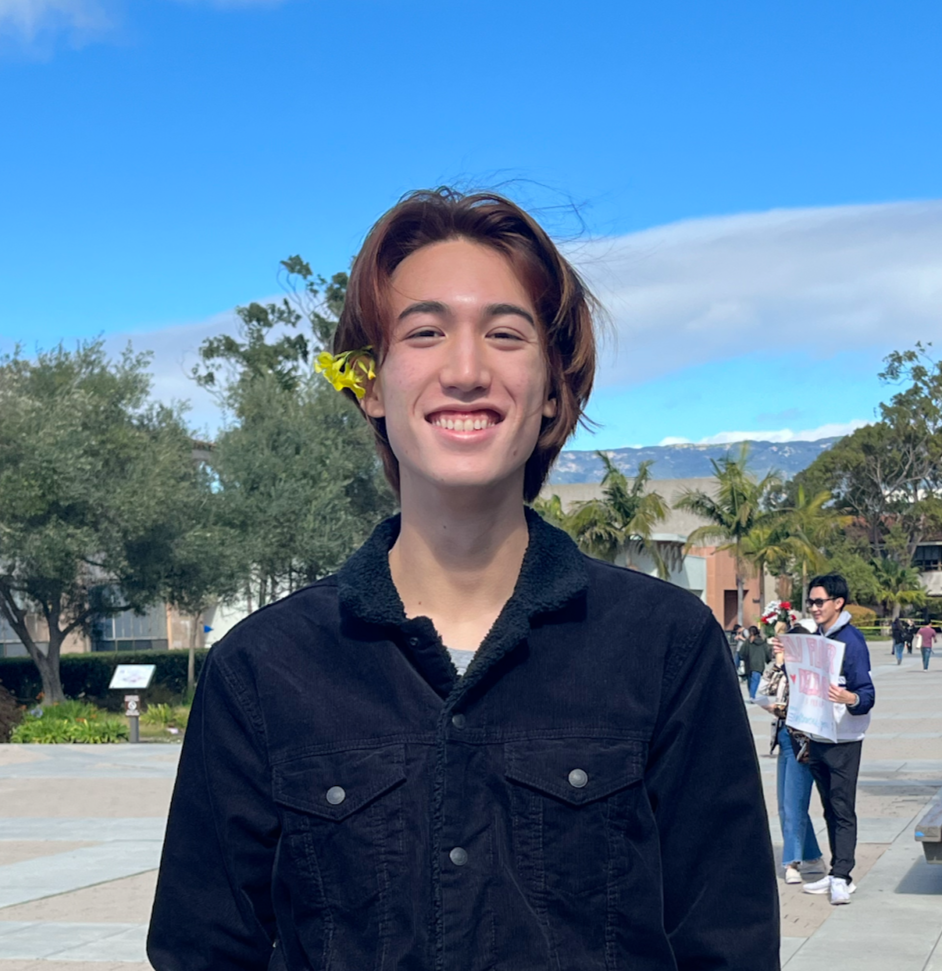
x=458, y=557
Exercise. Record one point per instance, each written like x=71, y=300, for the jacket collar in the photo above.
x=553, y=573
x=841, y=622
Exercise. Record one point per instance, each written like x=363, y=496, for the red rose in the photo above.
x=786, y=605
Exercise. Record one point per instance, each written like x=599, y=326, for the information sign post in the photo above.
x=133, y=676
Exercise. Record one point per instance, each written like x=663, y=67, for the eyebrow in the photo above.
x=491, y=310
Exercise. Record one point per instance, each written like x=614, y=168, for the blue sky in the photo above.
x=758, y=184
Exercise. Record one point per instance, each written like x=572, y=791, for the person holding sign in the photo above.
x=835, y=763
x=585, y=793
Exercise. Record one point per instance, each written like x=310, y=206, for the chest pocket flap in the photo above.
x=335, y=785
x=575, y=770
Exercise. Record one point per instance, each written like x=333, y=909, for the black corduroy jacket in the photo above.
x=586, y=796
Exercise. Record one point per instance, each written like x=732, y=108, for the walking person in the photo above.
x=927, y=634
x=755, y=654
x=835, y=765
x=800, y=851
x=898, y=631
x=910, y=636
x=586, y=794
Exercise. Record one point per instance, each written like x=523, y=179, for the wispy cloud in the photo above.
x=832, y=430
x=827, y=279
x=27, y=21
x=38, y=24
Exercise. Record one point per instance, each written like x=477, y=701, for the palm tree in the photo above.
x=622, y=519
x=898, y=585
x=811, y=522
x=737, y=508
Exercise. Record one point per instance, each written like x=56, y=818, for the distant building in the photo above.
x=708, y=573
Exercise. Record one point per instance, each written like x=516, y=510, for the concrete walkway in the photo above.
x=81, y=826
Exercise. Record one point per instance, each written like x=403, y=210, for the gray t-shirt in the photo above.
x=461, y=659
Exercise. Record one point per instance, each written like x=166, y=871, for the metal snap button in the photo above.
x=458, y=856
x=459, y=721
x=336, y=795
x=578, y=778
x=413, y=642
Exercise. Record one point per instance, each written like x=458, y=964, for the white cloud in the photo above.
x=79, y=19
x=832, y=430
x=832, y=279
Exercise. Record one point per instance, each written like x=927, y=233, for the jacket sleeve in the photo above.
x=213, y=905
x=857, y=676
x=721, y=906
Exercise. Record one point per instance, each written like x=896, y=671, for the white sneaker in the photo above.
x=792, y=874
x=824, y=885
x=813, y=866
x=840, y=891
x=819, y=886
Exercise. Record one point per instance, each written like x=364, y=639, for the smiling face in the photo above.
x=463, y=385
x=826, y=615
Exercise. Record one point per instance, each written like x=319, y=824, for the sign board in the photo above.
x=132, y=706
x=813, y=664
x=132, y=675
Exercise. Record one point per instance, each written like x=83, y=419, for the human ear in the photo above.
x=549, y=407
x=372, y=401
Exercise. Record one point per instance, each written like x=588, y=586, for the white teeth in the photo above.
x=463, y=424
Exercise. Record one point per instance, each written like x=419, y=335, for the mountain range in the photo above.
x=689, y=461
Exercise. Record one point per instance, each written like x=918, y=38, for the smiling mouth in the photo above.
x=464, y=421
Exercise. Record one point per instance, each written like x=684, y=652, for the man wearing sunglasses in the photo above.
x=834, y=766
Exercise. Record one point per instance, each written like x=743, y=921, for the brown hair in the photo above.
x=563, y=303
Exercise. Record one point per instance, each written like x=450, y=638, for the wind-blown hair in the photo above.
x=564, y=305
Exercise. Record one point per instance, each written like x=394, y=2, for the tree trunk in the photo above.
x=47, y=664
x=739, y=613
x=804, y=588
x=761, y=588
x=191, y=660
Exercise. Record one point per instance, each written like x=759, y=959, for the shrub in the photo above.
x=10, y=714
x=72, y=721
x=87, y=676
x=861, y=616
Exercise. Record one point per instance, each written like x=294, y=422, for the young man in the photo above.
x=584, y=794
x=835, y=765
x=927, y=635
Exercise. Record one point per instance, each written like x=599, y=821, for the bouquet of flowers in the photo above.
x=775, y=611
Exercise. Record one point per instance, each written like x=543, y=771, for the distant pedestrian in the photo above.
x=910, y=636
x=927, y=635
x=800, y=850
x=835, y=765
x=734, y=637
x=898, y=630
x=755, y=654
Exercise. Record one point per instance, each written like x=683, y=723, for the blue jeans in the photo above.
x=754, y=678
x=794, y=797
x=926, y=654
x=898, y=651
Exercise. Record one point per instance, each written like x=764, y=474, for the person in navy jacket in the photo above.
x=835, y=765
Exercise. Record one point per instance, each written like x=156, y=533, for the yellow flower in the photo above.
x=347, y=370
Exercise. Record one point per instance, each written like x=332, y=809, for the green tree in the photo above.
x=739, y=505
x=300, y=484
x=91, y=474
x=890, y=473
x=810, y=522
x=897, y=585
x=623, y=519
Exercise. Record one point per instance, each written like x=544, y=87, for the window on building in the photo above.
x=928, y=557
x=131, y=632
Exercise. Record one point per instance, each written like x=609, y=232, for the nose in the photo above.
x=465, y=369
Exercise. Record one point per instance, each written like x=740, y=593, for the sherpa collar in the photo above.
x=553, y=573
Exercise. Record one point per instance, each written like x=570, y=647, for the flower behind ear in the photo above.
x=347, y=370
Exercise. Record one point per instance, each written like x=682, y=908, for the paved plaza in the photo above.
x=81, y=827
